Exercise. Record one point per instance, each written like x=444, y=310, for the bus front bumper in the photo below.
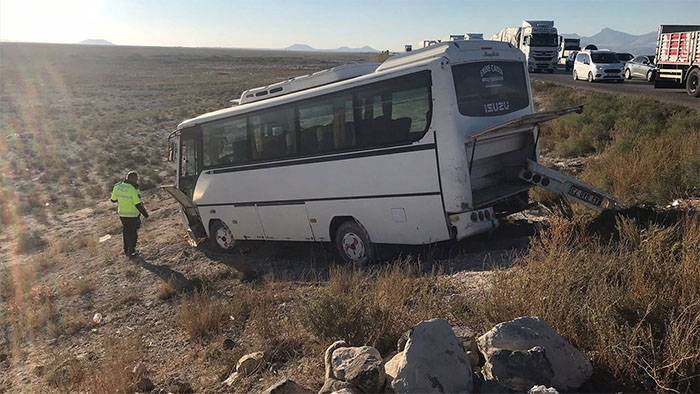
x=470, y=223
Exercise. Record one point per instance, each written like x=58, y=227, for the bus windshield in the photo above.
x=490, y=88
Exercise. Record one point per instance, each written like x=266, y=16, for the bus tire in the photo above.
x=353, y=244
x=220, y=237
x=692, y=83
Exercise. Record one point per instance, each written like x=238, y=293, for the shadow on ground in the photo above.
x=312, y=262
x=177, y=280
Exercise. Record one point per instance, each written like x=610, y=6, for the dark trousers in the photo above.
x=130, y=227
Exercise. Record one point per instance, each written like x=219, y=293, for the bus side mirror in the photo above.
x=171, y=152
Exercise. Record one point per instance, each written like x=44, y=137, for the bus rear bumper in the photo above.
x=470, y=223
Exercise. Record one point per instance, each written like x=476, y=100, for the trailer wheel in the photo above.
x=353, y=244
x=692, y=82
x=220, y=237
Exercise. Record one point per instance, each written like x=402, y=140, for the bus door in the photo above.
x=189, y=167
x=190, y=164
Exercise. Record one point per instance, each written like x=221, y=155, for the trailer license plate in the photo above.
x=586, y=195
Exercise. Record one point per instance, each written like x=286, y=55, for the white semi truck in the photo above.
x=538, y=40
x=566, y=46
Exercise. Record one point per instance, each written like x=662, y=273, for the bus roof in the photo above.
x=451, y=51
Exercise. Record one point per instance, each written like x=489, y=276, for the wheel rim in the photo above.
x=627, y=74
x=649, y=76
x=590, y=77
x=693, y=83
x=353, y=246
x=224, y=238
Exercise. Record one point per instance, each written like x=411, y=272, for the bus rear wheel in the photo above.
x=353, y=244
x=220, y=237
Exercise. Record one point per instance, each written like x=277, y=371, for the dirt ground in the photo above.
x=74, y=119
x=126, y=293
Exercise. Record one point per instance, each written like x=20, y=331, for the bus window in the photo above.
x=394, y=111
x=325, y=124
x=412, y=108
x=225, y=142
x=273, y=133
x=490, y=88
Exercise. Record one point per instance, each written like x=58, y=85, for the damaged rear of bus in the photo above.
x=489, y=136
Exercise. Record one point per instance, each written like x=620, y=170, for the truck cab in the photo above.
x=539, y=42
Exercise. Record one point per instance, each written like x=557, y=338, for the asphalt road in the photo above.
x=634, y=86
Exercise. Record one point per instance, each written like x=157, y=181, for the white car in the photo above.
x=598, y=65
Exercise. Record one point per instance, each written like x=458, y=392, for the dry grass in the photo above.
x=374, y=308
x=203, y=313
x=166, y=290
x=635, y=305
x=644, y=172
x=114, y=372
x=65, y=373
x=83, y=286
x=644, y=151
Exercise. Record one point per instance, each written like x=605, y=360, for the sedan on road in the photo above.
x=641, y=67
x=625, y=57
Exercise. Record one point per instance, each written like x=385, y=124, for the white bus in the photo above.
x=431, y=145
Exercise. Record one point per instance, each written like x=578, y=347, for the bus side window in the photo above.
x=274, y=133
x=396, y=111
x=323, y=124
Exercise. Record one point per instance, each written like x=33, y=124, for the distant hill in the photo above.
x=95, y=42
x=643, y=44
x=308, y=48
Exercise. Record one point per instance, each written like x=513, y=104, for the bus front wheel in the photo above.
x=220, y=237
x=353, y=244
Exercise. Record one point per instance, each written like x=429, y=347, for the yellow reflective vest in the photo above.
x=126, y=196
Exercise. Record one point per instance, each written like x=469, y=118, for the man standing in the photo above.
x=129, y=207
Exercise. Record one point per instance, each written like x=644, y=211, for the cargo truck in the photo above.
x=538, y=40
x=678, y=58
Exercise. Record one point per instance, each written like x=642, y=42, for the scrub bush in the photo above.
x=634, y=305
x=376, y=307
x=642, y=150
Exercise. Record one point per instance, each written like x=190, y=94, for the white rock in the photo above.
x=571, y=368
x=97, y=318
x=434, y=361
x=231, y=379
x=542, y=389
x=250, y=363
x=343, y=357
x=362, y=367
x=287, y=386
x=391, y=367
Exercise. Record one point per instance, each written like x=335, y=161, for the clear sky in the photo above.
x=382, y=24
